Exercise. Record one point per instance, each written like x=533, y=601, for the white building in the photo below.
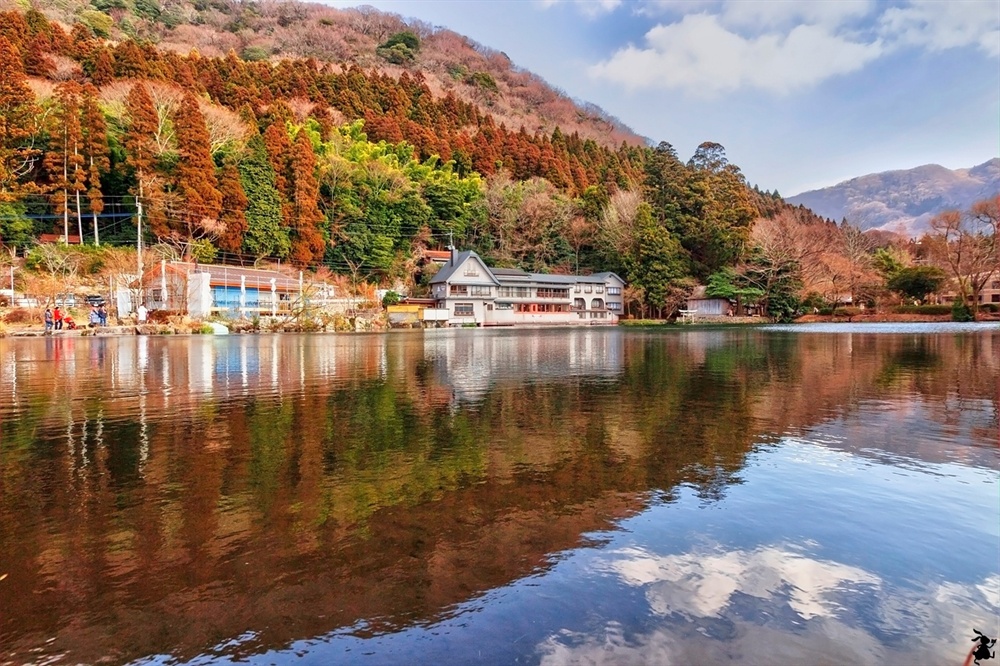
x=475, y=294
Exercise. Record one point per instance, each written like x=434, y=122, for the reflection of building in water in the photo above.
x=471, y=362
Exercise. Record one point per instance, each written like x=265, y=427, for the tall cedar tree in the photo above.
x=234, y=202
x=17, y=121
x=201, y=201
x=64, y=162
x=307, y=239
x=279, y=154
x=95, y=152
x=265, y=236
x=140, y=146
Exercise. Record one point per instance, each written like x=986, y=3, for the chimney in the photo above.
x=451, y=261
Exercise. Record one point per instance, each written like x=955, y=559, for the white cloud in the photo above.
x=700, y=55
x=781, y=47
x=939, y=25
x=588, y=7
x=691, y=592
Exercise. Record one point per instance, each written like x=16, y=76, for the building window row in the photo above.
x=515, y=292
x=553, y=293
x=463, y=310
x=614, y=291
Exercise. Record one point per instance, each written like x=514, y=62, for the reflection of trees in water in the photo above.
x=353, y=476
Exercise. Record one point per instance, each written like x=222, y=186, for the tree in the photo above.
x=201, y=200
x=307, y=238
x=19, y=121
x=265, y=236
x=65, y=163
x=658, y=264
x=234, y=203
x=967, y=244
x=916, y=281
x=95, y=152
x=141, y=148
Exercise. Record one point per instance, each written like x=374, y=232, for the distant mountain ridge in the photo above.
x=903, y=201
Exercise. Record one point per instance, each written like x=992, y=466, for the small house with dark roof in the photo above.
x=475, y=294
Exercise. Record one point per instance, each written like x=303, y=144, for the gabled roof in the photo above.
x=449, y=270
x=601, y=277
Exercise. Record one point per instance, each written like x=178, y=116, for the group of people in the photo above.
x=56, y=319
x=98, y=315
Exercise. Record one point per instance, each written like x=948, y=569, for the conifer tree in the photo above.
x=141, y=152
x=201, y=201
x=234, y=202
x=307, y=238
x=17, y=121
x=95, y=152
x=265, y=236
x=65, y=162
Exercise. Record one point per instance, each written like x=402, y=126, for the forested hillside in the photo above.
x=330, y=163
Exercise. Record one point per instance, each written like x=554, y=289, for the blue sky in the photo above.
x=801, y=94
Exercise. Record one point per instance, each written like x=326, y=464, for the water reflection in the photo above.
x=235, y=495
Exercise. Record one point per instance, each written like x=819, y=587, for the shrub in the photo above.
x=960, y=311
x=20, y=316
x=255, y=54
x=405, y=38
x=397, y=55
x=990, y=307
x=390, y=298
x=483, y=80
x=847, y=312
x=923, y=309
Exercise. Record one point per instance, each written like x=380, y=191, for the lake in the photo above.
x=765, y=495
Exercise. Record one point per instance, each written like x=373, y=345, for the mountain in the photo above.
x=903, y=201
x=276, y=30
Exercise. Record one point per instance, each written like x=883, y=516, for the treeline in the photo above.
x=319, y=164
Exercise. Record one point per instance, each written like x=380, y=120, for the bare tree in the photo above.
x=966, y=244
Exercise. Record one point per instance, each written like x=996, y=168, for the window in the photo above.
x=463, y=310
x=579, y=304
x=459, y=290
x=614, y=291
x=552, y=293
x=577, y=288
x=480, y=291
x=995, y=298
x=599, y=289
x=587, y=289
x=514, y=292
x=597, y=304
x=471, y=270
x=614, y=306
x=995, y=284
x=156, y=295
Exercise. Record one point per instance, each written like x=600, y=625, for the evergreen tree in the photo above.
x=95, y=152
x=265, y=236
x=234, y=203
x=17, y=121
x=64, y=161
x=201, y=201
x=307, y=238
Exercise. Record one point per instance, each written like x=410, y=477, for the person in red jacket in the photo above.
x=57, y=317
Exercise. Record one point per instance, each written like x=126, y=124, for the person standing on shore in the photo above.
x=48, y=320
x=141, y=313
x=102, y=313
x=57, y=318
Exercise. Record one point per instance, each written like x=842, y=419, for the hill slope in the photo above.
x=903, y=201
x=275, y=30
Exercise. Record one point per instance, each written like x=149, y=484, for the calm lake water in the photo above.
x=781, y=495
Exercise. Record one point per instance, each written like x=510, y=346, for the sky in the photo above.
x=801, y=94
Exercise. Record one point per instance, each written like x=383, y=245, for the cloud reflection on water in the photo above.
x=804, y=610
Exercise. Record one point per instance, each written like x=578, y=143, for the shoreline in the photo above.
x=122, y=330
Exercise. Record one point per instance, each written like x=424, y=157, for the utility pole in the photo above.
x=138, y=242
